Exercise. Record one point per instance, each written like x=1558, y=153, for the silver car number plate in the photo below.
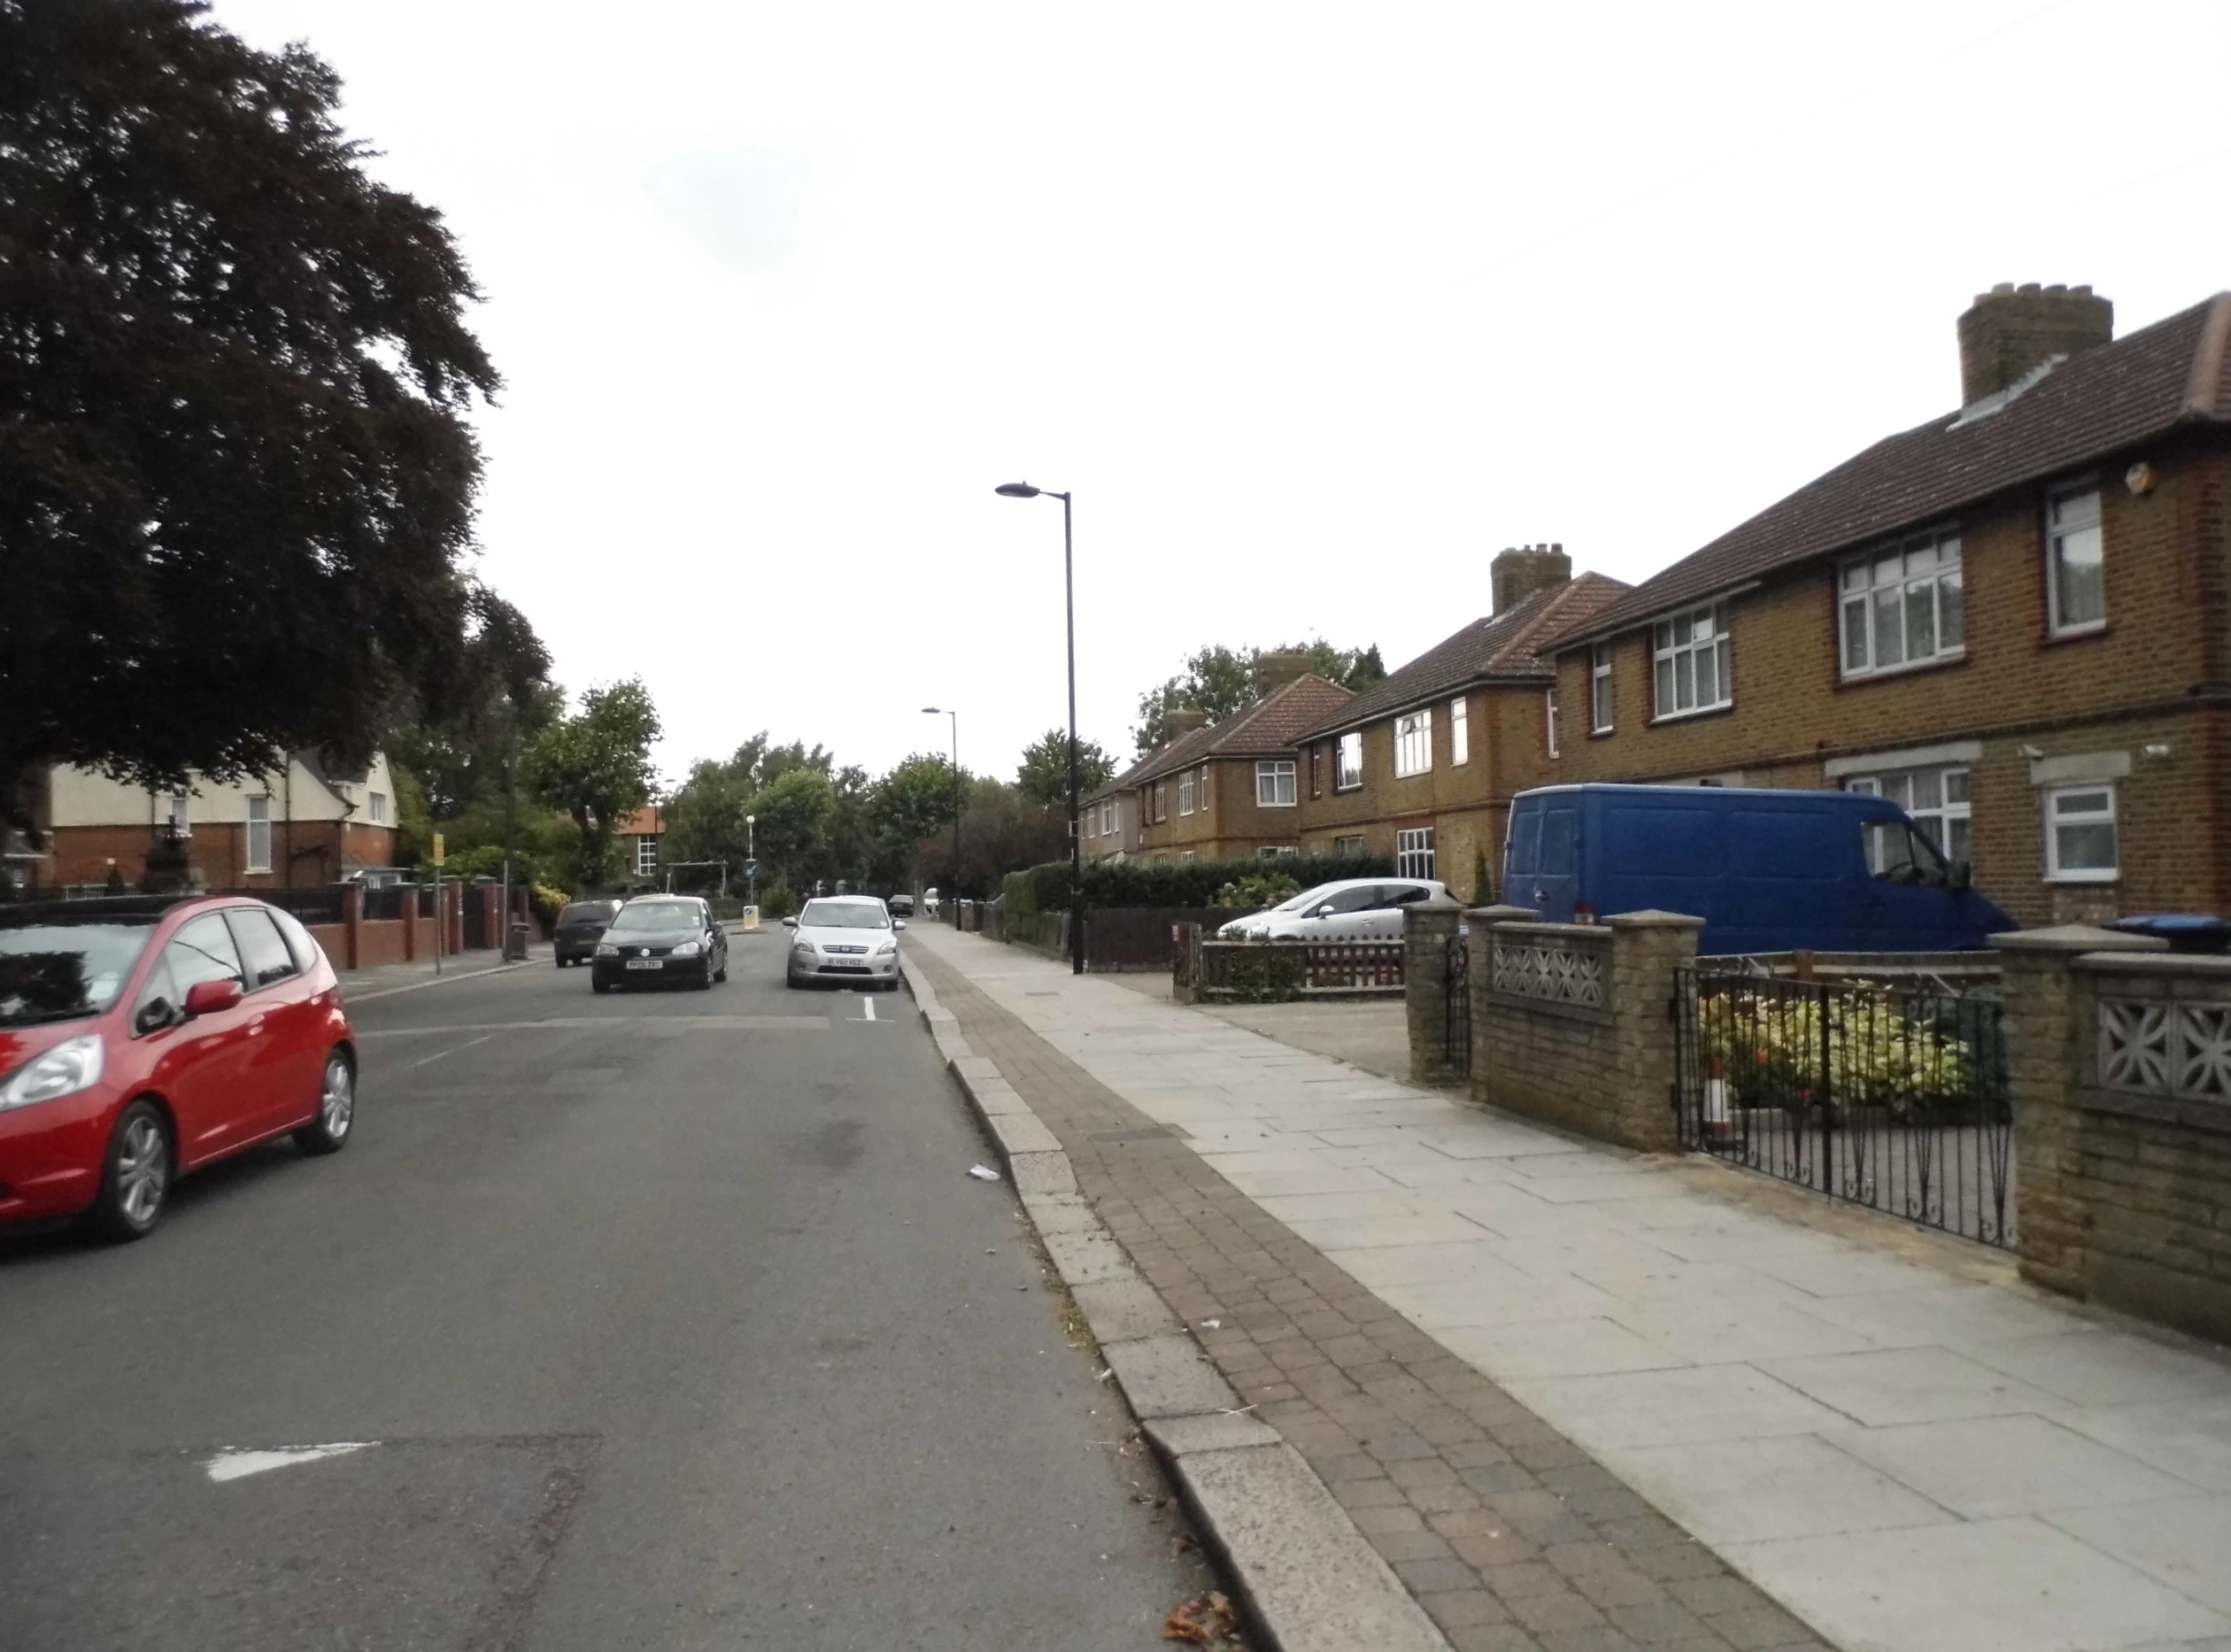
x=646, y=963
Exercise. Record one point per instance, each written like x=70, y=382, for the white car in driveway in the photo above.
x=1348, y=909
x=845, y=939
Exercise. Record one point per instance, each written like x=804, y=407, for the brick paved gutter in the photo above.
x=1366, y=1488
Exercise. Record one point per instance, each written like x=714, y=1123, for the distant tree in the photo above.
x=595, y=766
x=794, y=816
x=1220, y=681
x=704, y=819
x=1044, y=774
x=236, y=477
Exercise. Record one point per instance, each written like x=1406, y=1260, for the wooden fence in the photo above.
x=1277, y=971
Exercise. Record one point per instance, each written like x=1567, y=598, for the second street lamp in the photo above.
x=1023, y=490
x=935, y=711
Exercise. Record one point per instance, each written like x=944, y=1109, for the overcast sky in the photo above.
x=1314, y=307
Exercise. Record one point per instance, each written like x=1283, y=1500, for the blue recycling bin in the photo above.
x=2184, y=931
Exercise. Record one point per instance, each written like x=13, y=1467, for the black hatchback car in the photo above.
x=580, y=926
x=656, y=938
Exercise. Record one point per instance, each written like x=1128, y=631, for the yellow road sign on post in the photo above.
x=438, y=855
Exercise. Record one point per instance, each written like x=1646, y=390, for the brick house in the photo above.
x=301, y=825
x=2014, y=619
x=641, y=837
x=1228, y=788
x=1421, y=766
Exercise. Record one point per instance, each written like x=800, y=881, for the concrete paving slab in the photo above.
x=1334, y=1207
x=1020, y=1133
x=1993, y=1586
x=1061, y=1213
x=1749, y=1491
x=1296, y=1179
x=1363, y=1232
x=1043, y=1173
x=1086, y=1258
x=1497, y=1300
x=2191, y=1441
x=1720, y=1402
x=1989, y=1467
x=1166, y=1376
x=1910, y=1385
x=1308, y=1574
x=1724, y=1329
x=1432, y=1264
x=2103, y=1367
x=1554, y=1348
x=2184, y=1544
x=1602, y=1189
x=1942, y=1314
x=1123, y=1310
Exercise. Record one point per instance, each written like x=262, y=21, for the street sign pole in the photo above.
x=439, y=926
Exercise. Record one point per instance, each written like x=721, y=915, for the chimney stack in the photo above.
x=2010, y=330
x=1183, y=720
x=1518, y=573
x=1274, y=671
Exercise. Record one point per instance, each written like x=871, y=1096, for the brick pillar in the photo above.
x=352, y=915
x=410, y=922
x=1646, y=948
x=1427, y=929
x=1477, y=922
x=451, y=906
x=2045, y=1006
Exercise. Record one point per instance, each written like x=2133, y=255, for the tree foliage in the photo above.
x=1220, y=682
x=479, y=712
x=595, y=766
x=236, y=477
x=1043, y=776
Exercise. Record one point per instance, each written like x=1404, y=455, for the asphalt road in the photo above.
x=663, y=1320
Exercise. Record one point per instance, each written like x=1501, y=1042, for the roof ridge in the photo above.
x=2205, y=387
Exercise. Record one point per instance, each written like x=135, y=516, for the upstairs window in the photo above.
x=1349, y=775
x=1161, y=802
x=1460, y=732
x=181, y=816
x=1413, y=744
x=646, y=855
x=2076, y=563
x=1689, y=656
x=259, y=835
x=375, y=807
x=1274, y=783
x=1903, y=605
x=1599, y=688
x=1185, y=793
x=1206, y=788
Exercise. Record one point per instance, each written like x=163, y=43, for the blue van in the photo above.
x=1767, y=871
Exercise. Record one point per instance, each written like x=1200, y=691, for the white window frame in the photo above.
x=375, y=807
x=1161, y=802
x=1276, y=851
x=181, y=816
x=1924, y=566
x=1185, y=793
x=2056, y=532
x=1413, y=743
x=1897, y=785
x=1269, y=773
x=1667, y=653
x=1347, y=771
x=1349, y=845
x=255, y=859
x=1600, y=706
x=2111, y=817
x=646, y=854
x=1204, y=790
x=1413, y=852
x=1460, y=732
x=1551, y=719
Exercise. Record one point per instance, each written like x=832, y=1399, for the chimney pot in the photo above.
x=1516, y=575
x=2008, y=331
x=1180, y=720
x=1275, y=671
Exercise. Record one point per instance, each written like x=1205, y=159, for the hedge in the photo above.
x=1172, y=882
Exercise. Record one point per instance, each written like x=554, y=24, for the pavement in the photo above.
x=1582, y=1401
x=661, y=1320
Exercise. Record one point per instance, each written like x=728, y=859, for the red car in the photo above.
x=143, y=1037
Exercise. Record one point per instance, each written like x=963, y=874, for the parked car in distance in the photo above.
x=143, y=1037
x=1347, y=909
x=655, y=938
x=844, y=938
x=1767, y=870
x=901, y=905
x=580, y=926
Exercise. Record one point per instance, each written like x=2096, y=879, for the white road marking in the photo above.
x=238, y=1465
x=438, y=1054
x=868, y=1004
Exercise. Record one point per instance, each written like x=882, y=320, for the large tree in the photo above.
x=595, y=766
x=236, y=477
x=1221, y=681
x=1043, y=776
x=478, y=711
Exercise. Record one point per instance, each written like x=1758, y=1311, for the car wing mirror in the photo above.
x=790, y=923
x=211, y=997
x=898, y=923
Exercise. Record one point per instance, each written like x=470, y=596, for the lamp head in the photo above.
x=933, y=711
x=1016, y=490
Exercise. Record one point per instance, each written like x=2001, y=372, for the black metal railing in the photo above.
x=1892, y=1097
x=384, y=903
x=1456, y=1026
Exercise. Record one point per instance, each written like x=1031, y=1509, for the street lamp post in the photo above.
x=1023, y=490
x=751, y=856
x=934, y=711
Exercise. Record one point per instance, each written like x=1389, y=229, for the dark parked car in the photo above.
x=902, y=906
x=580, y=927
x=657, y=938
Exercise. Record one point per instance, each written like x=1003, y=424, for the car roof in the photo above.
x=844, y=900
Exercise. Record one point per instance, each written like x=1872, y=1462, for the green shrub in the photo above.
x=1261, y=890
x=776, y=903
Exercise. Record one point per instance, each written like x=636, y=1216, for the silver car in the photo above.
x=845, y=938
x=1347, y=909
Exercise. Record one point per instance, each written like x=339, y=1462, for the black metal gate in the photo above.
x=1456, y=1019
x=1892, y=1097
x=474, y=910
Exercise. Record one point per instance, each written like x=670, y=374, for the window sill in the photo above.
x=2075, y=633
x=1343, y=791
x=1260, y=804
x=2082, y=879
x=1687, y=716
x=1601, y=733
x=1414, y=774
x=1858, y=679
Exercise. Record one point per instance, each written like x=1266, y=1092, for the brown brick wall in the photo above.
x=2151, y=678
x=1233, y=824
x=320, y=849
